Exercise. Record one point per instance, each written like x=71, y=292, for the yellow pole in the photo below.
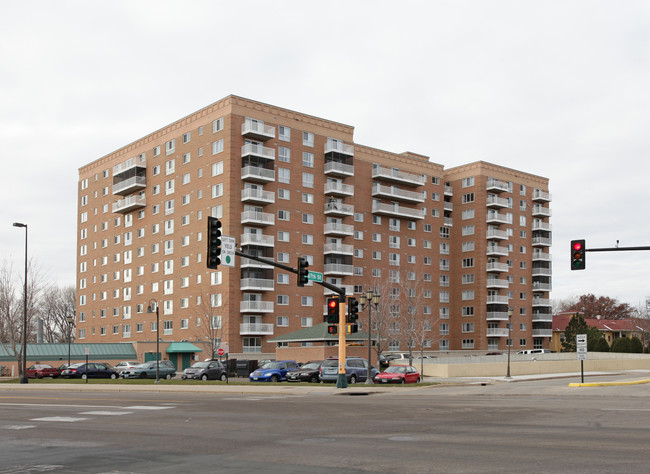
x=342, y=381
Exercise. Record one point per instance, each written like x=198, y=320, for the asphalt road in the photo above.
x=533, y=426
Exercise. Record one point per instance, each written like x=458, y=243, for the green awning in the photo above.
x=182, y=347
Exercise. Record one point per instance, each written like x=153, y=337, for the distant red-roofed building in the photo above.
x=611, y=328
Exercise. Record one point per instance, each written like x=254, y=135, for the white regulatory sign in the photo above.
x=227, y=251
x=581, y=346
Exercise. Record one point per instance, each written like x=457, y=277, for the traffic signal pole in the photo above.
x=342, y=381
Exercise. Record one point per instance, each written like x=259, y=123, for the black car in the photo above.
x=206, y=370
x=92, y=370
x=305, y=373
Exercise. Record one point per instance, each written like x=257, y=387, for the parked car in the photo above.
x=305, y=373
x=206, y=370
x=91, y=370
x=398, y=374
x=383, y=362
x=38, y=371
x=166, y=370
x=126, y=364
x=356, y=370
x=273, y=371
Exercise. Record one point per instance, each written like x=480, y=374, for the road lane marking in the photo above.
x=17, y=427
x=65, y=419
x=146, y=407
x=106, y=413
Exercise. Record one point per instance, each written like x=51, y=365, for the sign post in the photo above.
x=581, y=349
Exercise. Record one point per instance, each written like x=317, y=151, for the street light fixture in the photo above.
x=509, y=340
x=150, y=311
x=24, y=379
x=369, y=299
x=70, y=321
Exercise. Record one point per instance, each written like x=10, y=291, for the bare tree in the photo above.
x=208, y=317
x=56, y=305
x=381, y=315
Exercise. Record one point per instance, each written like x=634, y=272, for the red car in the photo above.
x=398, y=374
x=39, y=371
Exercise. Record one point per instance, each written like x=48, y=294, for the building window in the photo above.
x=308, y=139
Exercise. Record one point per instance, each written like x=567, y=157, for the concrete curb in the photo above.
x=608, y=384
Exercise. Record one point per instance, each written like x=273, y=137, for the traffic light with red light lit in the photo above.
x=332, y=329
x=578, y=260
x=332, y=315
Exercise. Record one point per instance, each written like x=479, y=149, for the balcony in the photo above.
x=338, y=269
x=494, y=217
x=257, y=284
x=541, y=211
x=496, y=234
x=497, y=250
x=496, y=299
x=255, y=329
x=541, y=271
x=334, y=168
x=541, y=196
x=539, y=286
x=541, y=256
x=391, y=192
x=257, y=196
x=256, y=306
x=339, y=249
x=542, y=317
x=250, y=263
x=334, y=188
x=496, y=267
x=257, y=130
x=448, y=206
x=496, y=283
x=398, y=211
x=497, y=332
x=129, y=185
x=335, y=228
x=541, y=302
x=448, y=221
x=495, y=201
x=260, y=151
x=257, y=217
x=390, y=174
x=496, y=186
x=257, y=173
x=542, y=242
x=337, y=146
x=542, y=333
x=338, y=209
x=135, y=162
x=449, y=191
x=496, y=316
x=540, y=225
x=129, y=204
x=257, y=239
x=349, y=291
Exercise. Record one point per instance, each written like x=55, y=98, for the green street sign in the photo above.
x=315, y=276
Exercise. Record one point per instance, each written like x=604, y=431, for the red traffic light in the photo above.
x=333, y=303
x=577, y=246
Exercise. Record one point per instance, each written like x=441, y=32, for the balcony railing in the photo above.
x=257, y=130
x=129, y=203
x=541, y=302
x=542, y=241
x=336, y=146
x=257, y=239
x=496, y=332
x=496, y=234
x=542, y=333
x=257, y=217
x=257, y=284
x=542, y=317
x=542, y=256
x=539, y=286
x=541, y=271
x=494, y=217
x=253, y=329
x=495, y=201
x=540, y=225
x=339, y=229
x=337, y=269
x=250, y=263
x=396, y=210
x=257, y=173
x=497, y=250
x=496, y=283
x=256, y=306
x=337, y=208
x=349, y=291
x=391, y=192
x=342, y=249
x=539, y=195
x=137, y=161
x=336, y=188
x=381, y=172
x=541, y=211
x=338, y=169
x=497, y=186
x=254, y=149
x=257, y=195
x=496, y=316
x=496, y=267
x=130, y=185
x=497, y=299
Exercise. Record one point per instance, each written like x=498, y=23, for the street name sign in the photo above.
x=315, y=276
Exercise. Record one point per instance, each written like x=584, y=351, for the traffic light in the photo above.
x=353, y=310
x=352, y=328
x=214, y=243
x=332, y=310
x=578, y=260
x=332, y=329
x=302, y=271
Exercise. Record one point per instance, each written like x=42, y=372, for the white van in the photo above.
x=535, y=351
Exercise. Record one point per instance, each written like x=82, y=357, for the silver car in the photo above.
x=206, y=370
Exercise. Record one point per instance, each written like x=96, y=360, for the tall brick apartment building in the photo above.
x=284, y=184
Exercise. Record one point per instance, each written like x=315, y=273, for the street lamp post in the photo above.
x=150, y=310
x=370, y=299
x=24, y=379
x=70, y=320
x=509, y=340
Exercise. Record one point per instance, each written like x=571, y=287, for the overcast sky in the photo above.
x=559, y=89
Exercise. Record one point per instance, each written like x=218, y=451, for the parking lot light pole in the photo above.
x=509, y=340
x=150, y=311
x=70, y=320
x=24, y=379
x=370, y=299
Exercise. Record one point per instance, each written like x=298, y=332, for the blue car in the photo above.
x=273, y=371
